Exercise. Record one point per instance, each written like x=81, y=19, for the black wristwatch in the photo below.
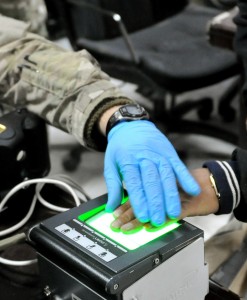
x=127, y=113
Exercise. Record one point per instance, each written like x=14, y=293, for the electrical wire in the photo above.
x=77, y=187
x=26, y=183
x=17, y=263
x=60, y=180
x=12, y=240
x=23, y=221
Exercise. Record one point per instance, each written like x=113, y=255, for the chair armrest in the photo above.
x=221, y=29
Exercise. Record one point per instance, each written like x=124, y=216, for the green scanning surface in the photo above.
x=101, y=220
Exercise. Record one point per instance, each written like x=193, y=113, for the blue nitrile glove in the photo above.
x=139, y=155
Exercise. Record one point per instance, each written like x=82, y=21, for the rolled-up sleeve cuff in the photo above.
x=226, y=177
x=85, y=119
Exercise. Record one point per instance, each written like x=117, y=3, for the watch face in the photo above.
x=126, y=113
x=131, y=110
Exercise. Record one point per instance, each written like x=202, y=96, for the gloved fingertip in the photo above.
x=143, y=219
x=114, y=198
x=157, y=224
x=140, y=211
x=158, y=220
x=174, y=214
x=173, y=207
x=191, y=187
x=141, y=215
x=109, y=209
x=195, y=189
x=189, y=184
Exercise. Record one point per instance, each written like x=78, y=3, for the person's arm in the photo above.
x=69, y=90
x=239, y=157
x=224, y=193
x=29, y=11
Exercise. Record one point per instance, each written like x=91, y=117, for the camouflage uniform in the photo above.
x=32, y=11
x=66, y=88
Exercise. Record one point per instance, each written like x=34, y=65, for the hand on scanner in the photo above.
x=142, y=158
x=203, y=204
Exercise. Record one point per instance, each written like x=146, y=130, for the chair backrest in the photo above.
x=136, y=14
x=139, y=14
x=82, y=20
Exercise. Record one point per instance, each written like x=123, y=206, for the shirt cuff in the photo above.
x=226, y=177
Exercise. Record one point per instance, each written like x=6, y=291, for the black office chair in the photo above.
x=168, y=57
x=222, y=4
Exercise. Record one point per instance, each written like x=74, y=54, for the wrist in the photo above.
x=206, y=202
x=94, y=137
x=226, y=184
x=125, y=113
x=103, y=120
x=207, y=197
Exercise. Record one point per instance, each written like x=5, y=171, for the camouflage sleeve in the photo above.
x=66, y=88
x=33, y=12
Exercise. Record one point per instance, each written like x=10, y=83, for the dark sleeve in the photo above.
x=226, y=176
x=240, y=42
x=240, y=157
x=231, y=182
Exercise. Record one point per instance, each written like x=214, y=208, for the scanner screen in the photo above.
x=101, y=222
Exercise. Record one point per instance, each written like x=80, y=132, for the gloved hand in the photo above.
x=139, y=155
x=204, y=204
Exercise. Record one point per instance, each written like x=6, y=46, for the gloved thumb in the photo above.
x=114, y=188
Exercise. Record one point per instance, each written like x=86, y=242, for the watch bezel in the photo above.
x=126, y=116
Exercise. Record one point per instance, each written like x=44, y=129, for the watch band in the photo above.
x=127, y=113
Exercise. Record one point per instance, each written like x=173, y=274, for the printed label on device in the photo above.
x=91, y=240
